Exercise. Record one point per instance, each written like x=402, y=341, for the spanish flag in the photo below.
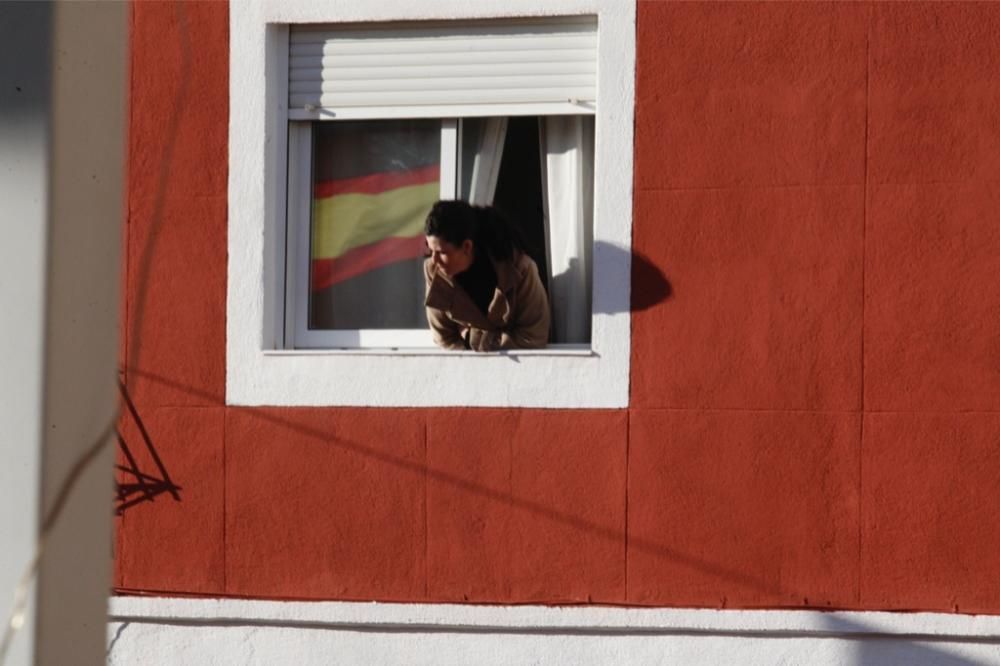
x=365, y=222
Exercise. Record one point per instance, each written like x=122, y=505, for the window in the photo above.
x=311, y=317
x=361, y=183
x=355, y=276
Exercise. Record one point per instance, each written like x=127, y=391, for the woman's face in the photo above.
x=451, y=259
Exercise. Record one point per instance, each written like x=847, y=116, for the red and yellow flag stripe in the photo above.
x=359, y=224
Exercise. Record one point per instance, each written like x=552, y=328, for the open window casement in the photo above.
x=384, y=119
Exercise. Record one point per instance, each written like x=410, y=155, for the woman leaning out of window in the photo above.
x=483, y=290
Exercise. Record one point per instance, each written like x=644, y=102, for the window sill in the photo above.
x=514, y=354
x=556, y=378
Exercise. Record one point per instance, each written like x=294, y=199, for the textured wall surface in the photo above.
x=814, y=412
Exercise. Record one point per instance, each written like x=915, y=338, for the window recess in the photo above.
x=384, y=119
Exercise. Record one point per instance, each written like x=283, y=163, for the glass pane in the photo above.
x=374, y=182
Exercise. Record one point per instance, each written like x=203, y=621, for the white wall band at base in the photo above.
x=150, y=630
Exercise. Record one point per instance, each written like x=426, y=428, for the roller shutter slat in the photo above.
x=313, y=74
x=472, y=58
x=334, y=47
x=459, y=63
x=448, y=83
x=446, y=97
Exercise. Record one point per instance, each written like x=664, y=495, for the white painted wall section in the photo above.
x=257, y=373
x=186, y=631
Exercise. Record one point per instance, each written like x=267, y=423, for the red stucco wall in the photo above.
x=815, y=410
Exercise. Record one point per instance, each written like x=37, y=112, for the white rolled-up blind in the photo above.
x=458, y=63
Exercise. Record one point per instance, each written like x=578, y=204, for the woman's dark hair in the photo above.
x=487, y=228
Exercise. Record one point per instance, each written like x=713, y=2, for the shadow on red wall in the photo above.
x=135, y=485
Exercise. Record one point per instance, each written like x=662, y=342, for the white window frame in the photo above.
x=260, y=372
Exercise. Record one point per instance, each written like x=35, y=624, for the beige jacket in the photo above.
x=517, y=317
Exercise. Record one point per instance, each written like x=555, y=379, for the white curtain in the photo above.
x=567, y=157
x=486, y=163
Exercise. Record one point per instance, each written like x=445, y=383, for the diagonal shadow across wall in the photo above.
x=662, y=550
